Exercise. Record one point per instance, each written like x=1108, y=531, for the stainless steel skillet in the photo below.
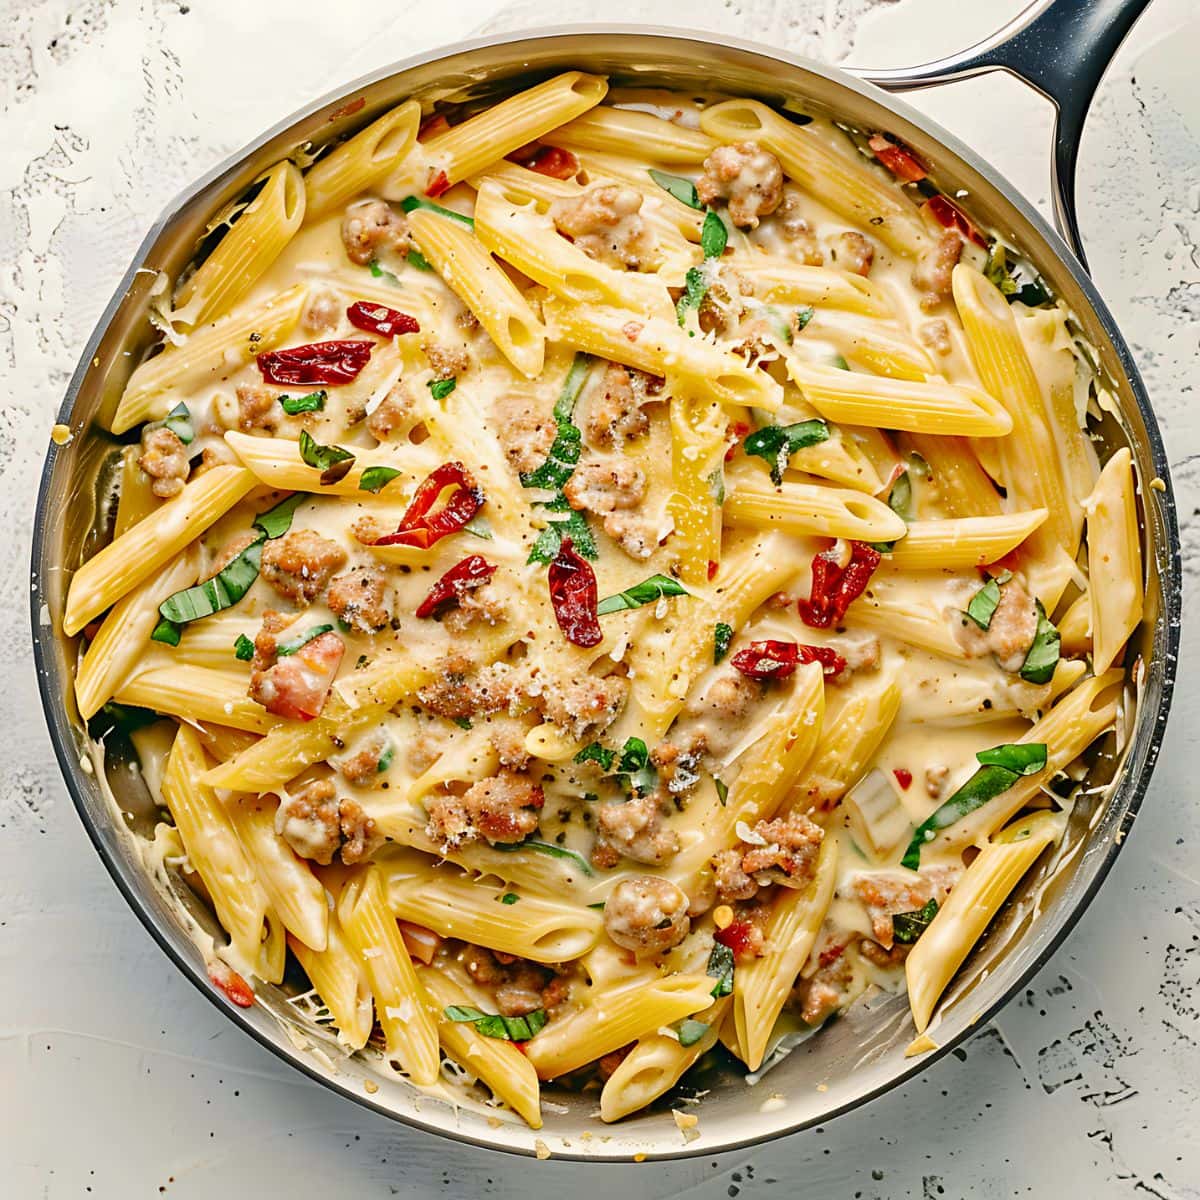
x=1061, y=48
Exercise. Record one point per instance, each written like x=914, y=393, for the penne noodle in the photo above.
x=629, y=132
x=1113, y=546
x=802, y=508
x=959, y=542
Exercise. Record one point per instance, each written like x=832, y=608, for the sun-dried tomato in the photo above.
x=421, y=528
x=777, y=660
x=553, y=162
x=946, y=213
x=329, y=363
x=898, y=159
x=834, y=587
x=375, y=318
x=573, y=594
x=472, y=572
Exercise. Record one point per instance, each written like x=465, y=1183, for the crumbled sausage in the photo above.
x=323, y=313
x=266, y=641
x=363, y=766
x=371, y=227
x=583, y=705
x=360, y=599
x=936, y=335
x=745, y=175
x=319, y=826
x=475, y=606
x=300, y=564
x=218, y=455
x=637, y=536
x=507, y=738
x=886, y=894
x=828, y=989
x=258, y=409
x=165, y=459
x=609, y=489
x=717, y=711
x=795, y=230
x=525, y=430
x=678, y=766
x=861, y=652
x=633, y=828
x=935, y=780
x=934, y=272
x=1010, y=633
x=853, y=252
x=504, y=809
x=448, y=362
x=615, y=415
x=606, y=224
x=647, y=915
x=460, y=690
x=782, y=851
x=873, y=952
x=518, y=985
x=607, y=1064
x=393, y=416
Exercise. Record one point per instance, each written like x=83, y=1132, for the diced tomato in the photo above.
x=236, y=989
x=737, y=936
x=297, y=685
x=898, y=159
x=439, y=184
x=420, y=942
x=432, y=126
x=947, y=214
x=903, y=777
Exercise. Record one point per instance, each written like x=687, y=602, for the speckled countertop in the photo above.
x=119, y=1080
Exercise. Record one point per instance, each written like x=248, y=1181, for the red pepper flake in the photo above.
x=330, y=363
x=421, y=529
x=472, y=572
x=946, y=213
x=236, y=989
x=713, y=567
x=553, y=163
x=777, y=660
x=737, y=431
x=903, y=777
x=898, y=158
x=349, y=108
x=738, y=936
x=439, y=184
x=834, y=587
x=573, y=594
x=375, y=318
x=432, y=126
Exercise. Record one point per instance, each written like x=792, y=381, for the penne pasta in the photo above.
x=1116, y=608
x=963, y=541
x=802, y=508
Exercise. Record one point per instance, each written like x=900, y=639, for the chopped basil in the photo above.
x=275, y=522
x=716, y=485
x=549, y=849
x=713, y=235
x=179, y=422
x=509, y=898
x=1002, y=767
x=574, y=526
x=124, y=718
x=690, y=1031
x=167, y=632
x=509, y=1029
x=418, y=260
x=222, y=591
x=722, y=790
x=720, y=967
x=984, y=604
x=838, y=361
x=382, y=273
x=657, y=587
x=463, y=722
x=375, y=479
x=694, y=288
x=243, y=648
x=598, y=906
x=900, y=501
x=634, y=755
x=682, y=189
x=385, y=760
x=594, y=752
x=334, y=462
x=1042, y=659
x=775, y=444
x=301, y=640
x=1013, y=282
x=479, y=527
x=409, y=203
x=439, y=389
x=803, y=316
x=722, y=637
x=294, y=405
x=908, y=926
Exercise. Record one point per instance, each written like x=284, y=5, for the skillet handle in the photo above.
x=1060, y=48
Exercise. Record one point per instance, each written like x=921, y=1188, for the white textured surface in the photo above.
x=118, y=1080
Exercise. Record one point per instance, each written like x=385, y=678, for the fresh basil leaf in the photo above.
x=775, y=444
x=647, y=592
x=463, y=722
x=479, y=527
x=690, y=1031
x=124, y=718
x=439, y=389
x=334, y=462
x=179, y=422
x=222, y=591
x=722, y=637
x=682, y=189
x=510, y=1029
x=375, y=479
x=382, y=273
x=594, y=752
x=720, y=968
x=463, y=1012
x=418, y=260
x=409, y=203
x=716, y=485
x=900, y=501
x=694, y=288
x=549, y=849
x=984, y=604
x=722, y=790
x=803, y=316
x=243, y=648
x=634, y=755
x=509, y=898
x=713, y=235
x=294, y=405
x=385, y=760
x=1012, y=279
x=1042, y=658
x=301, y=640
x=560, y=462
x=275, y=522
x=166, y=632
x=839, y=361
x=1021, y=758
x=908, y=926
x=574, y=526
